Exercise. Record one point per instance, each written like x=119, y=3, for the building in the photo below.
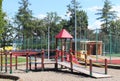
x=89, y=47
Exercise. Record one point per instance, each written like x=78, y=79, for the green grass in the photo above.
x=20, y=60
x=113, y=55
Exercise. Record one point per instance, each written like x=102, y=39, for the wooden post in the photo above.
x=85, y=60
x=65, y=46
x=90, y=67
x=71, y=44
x=43, y=60
x=1, y=61
x=10, y=63
x=26, y=62
x=71, y=63
x=35, y=62
x=5, y=62
x=105, y=66
x=56, y=43
x=62, y=50
x=16, y=62
x=62, y=53
x=29, y=62
x=56, y=59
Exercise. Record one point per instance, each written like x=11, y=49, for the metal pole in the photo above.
x=96, y=45
x=110, y=45
x=75, y=26
x=48, y=42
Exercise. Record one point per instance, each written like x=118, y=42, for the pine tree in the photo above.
x=106, y=16
x=23, y=19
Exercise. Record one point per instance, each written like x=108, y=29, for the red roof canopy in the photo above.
x=63, y=34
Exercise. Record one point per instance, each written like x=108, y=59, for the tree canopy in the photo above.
x=106, y=15
x=2, y=18
x=24, y=18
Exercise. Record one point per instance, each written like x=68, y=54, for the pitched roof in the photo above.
x=63, y=34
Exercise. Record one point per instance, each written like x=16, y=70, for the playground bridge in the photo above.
x=61, y=58
x=83, y=70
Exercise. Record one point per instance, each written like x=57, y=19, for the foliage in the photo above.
x=6, y=29
x=7, y=35
x=106, y=15
x=52, y=21
x=23, y=19
x=81, y=15
x=115, y=27
x=2, y=18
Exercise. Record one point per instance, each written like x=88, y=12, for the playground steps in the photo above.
x=83, y=70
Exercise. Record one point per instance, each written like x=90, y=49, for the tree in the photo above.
x=23, y=19
x=39, y=27
x=2, y=18
x=3, y=26
x=82, y=19
x=64, y=24
x=106, y=15
x=7, y=35
x=52, y=20
x=82, y=23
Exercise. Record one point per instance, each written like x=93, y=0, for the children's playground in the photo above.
x=86, y=61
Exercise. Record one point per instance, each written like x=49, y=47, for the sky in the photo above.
x=41, y=7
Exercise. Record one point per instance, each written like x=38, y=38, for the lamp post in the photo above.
x=48, y=42
x=96, y=44
x=75, y=26
x=110, y=44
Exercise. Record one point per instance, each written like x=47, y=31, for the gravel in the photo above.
x=64, y=75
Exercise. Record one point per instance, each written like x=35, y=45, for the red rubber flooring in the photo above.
x=110, y=62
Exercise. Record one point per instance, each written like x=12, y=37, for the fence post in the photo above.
x=16, y=60
x=5, y=62
x=1, y=61
x=90, y=67
x=62, y=58
x=30, y=62
x=71, y=63
x=43, y=60
x=35, y=62
x=56, y=59
x=10, y=63
x=26, y=62
x=105, y=66
x=85, y=60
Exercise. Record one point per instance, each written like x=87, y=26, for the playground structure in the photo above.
x=16, y=54
x=70, y=62
x=63, y=57
x=92, y=47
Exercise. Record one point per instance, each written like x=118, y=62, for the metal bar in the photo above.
x=75, y=26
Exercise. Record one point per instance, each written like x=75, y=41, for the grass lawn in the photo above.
x=20, y=60
x=113, y=55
